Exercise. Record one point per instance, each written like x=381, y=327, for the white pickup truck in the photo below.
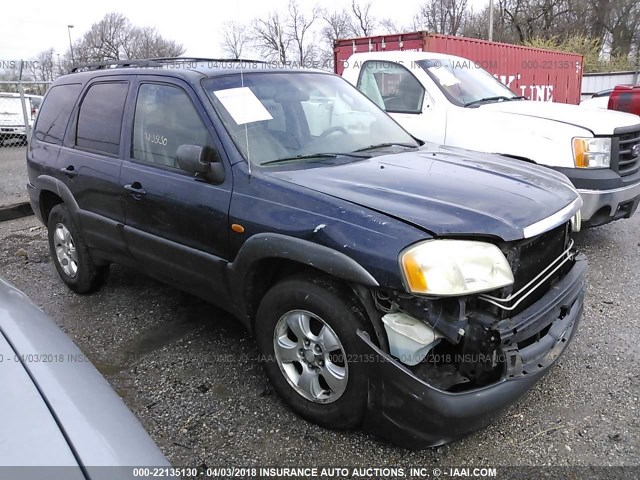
x=452, y=101
x=12, y=123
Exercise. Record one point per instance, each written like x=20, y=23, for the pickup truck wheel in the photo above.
x=71, y=255
x=306, y=333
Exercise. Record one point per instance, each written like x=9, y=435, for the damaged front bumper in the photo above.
x=411, y=413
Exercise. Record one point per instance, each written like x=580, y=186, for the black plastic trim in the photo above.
x=275, y=245
x=409, y=412
x=598, y=178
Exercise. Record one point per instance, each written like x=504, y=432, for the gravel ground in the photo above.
x=187, y=370
x=13, y=174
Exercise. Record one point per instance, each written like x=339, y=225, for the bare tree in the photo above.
x=363, y=22
x=115, y=38
x=337, y=25
x=234, y=39
x=42, y=68
x=299, y=25
x=270, y=36
x=283, y=36
x=442, y=16
x=622, y=25
x=146, y=42
x=389, y=26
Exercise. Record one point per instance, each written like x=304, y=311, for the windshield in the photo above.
x=280, y=116
x=464, y=82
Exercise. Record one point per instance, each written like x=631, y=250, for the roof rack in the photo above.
x=152, y=62
x=204, y=59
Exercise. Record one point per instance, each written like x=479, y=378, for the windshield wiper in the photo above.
x=313, y=155
x=383, y=145
x=494, y=99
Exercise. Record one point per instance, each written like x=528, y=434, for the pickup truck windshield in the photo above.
x=295, y=116
x=465, y=83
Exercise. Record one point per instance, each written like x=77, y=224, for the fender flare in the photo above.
x=53, y=185
x=274, y=245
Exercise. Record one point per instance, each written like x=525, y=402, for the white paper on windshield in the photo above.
x=243, y=105
x=444, y=76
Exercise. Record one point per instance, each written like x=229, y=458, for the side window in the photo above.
x=392, y=86
x=100, y=117
x=54, y=114
x=165, y=118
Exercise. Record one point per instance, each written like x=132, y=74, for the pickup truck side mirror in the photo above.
x=203, y=162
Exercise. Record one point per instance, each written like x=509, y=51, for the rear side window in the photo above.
x=165, y=118
x=100, y=117
x=54, y=114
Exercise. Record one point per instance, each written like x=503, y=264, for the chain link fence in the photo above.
x=19, y=105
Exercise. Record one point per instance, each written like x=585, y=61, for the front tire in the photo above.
x=306, y=333
x=71, y=255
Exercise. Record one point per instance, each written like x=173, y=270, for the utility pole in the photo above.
x=490, y=20
x=69, y=27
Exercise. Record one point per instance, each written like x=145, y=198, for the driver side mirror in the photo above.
x=203, y=162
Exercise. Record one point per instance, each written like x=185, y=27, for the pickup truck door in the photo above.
x=176, y=227
x=404, y=95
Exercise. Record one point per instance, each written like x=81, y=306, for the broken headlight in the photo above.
x=454, y=267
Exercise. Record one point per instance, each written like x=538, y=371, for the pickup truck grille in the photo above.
x=628, y=153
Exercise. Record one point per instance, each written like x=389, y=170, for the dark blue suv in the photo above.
x=413, y=289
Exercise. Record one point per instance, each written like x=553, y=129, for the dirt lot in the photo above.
x=188, y=372
x=13, y=174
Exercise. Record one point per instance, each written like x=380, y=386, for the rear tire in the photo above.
x=71, y=255
x=306, y=334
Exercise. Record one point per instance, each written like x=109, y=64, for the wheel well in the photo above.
x=48, y=200
x=269, y=271
x=265, y=274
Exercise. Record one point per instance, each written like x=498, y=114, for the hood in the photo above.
x=598, y=122
x=449, y=191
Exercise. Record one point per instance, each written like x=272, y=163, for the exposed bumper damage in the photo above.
x=407, y=410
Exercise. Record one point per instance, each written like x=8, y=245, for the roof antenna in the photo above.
x=246, y=130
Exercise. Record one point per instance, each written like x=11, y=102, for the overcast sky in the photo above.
x=29, y=27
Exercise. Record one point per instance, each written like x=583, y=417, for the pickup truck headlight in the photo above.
x=592, y=152
x=454, y=267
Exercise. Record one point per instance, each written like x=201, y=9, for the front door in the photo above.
x=395, y=88
x=176, y=227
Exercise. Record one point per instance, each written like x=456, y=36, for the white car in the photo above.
x=452, y=101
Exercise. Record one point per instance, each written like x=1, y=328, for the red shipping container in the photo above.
x=542, y=75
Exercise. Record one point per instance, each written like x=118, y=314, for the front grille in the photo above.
x=530, y=257
x=628, y=152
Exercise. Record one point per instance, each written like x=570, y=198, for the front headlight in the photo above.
x=592, y=152
x=454, y=267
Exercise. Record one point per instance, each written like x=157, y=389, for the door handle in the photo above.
x=136, y=190
x=69, y=171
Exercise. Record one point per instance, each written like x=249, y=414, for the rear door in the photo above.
x=176, y=227
x=89, y=163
